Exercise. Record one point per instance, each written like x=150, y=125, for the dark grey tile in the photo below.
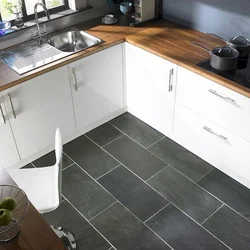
x=28, y=166
x=124, y=231
x=135, y=157
x=90, y=157
x=185, y=194
x=181, y=232
x=84, y=193
x=180, y=158
x=133, y=193
x=104, y=134
x=50, y=159
x=87, y=237
x=228, y=190
x=230, y=227
x=137, y=129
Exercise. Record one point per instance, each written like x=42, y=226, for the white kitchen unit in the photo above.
x=151, y=83
x=225, y=107
x=8, y=150
x=97, y=86
x=37, y=107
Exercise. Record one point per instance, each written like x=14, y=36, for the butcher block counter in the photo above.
x=160, y=37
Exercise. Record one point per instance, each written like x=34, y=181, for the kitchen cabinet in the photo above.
x=150, y=89
x=97, y=86
x=37, y=107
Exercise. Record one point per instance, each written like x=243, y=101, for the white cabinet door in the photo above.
x=37, y=107
x=8, y=151
x=150, y=88
x=97, y=86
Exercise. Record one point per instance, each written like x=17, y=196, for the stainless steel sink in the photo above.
x=31, y=55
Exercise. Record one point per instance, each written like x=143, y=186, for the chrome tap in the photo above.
x=37, y=20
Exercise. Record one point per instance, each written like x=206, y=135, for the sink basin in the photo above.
x=73, y=40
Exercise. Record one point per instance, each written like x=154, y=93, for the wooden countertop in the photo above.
x=163, y=38
x=35, y=234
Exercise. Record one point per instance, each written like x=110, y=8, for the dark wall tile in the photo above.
x=180, y=158
x=104, y=134
x=90, y=157
x=181, y=232
x=126, y=232
x=230, y=227
x=135, y=157
x=27, y=166
x=133, y=193
x=228, y=190
x=84, y=193
x=185, y=194
x=136, y=129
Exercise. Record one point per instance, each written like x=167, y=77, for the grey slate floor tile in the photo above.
x=28, y=166
x=133, y=193
x=126, y=232
x=136, y=129
x=50, y=159
x=87, y=237
x=186, y=195
x=84, y=193
x=181, y=232
x=230, y=227
x=180, y=158
x=228, y=190
x=90, y=157
x=104, y=134
x=135, y=157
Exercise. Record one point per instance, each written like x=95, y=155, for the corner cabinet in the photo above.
x=151, y=82
x=97, y=86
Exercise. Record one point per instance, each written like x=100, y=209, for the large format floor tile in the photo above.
x=84, y=193
x=90, y=157
x=180, y=158
x=181, y=232
x=87, y=237
x=126, y=232
x=185, y=194
x=230, y=227
x=135, y=157
x=104, y=134
x=136, y=129
x=133, y=193
x=228, y=190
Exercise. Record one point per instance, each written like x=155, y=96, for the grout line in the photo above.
x=103, y=210
x=33, y=164
x=108, y=172
x=112, y=141
x=156, y=142
x=212, y=214
x=69, y=166
x=156, y=173
x=205, y=175
x=156, y=212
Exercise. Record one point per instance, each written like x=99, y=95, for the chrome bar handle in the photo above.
x=228, y=99
x=11, y=103
x=214, y=133
x=171, y=74
x=2, y=114
x=74, y=79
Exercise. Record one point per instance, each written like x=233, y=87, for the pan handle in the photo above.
x=201, y=46
x=211, y=34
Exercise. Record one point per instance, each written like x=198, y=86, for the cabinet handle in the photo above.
x=74, y=79
x=170, y=86
x=228, y=99
x=214, y=133
x=13, y=110
x=2, y=114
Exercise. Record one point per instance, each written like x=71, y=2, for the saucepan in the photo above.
x=239, y=43
x=222, y=58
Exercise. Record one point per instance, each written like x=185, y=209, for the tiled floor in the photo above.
x=128, y=187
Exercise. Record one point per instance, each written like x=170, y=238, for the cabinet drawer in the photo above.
x=216, y=145
x=215, y=102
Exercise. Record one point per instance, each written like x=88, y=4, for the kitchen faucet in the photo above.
x=39, y=33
